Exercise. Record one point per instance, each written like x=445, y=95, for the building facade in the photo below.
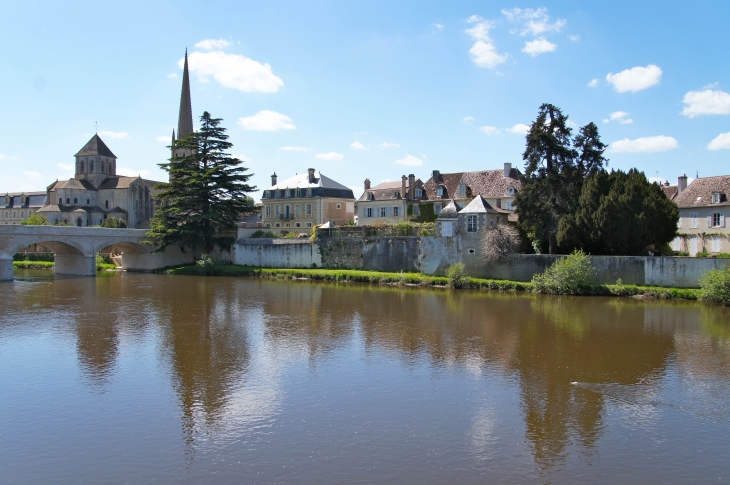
x=387, y=203
x=306, y=200
x=18, y=207
x=703, y=207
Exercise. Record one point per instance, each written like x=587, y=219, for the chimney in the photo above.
x=311, y=175
x=411, y=183
x=507, y=169
x=367, y=184
x=436, y=176
x=273, y=179
x=681, y=184
x=403, y=180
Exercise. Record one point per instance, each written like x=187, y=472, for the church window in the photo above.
x=83, y=166
x=88, y=201
x=91, y=166
x=60, y=200
x=68, y=201
x=106, y=204
x=76, y=201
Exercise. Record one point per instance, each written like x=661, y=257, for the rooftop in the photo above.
x=699, y=192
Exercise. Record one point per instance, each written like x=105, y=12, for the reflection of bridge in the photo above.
x=75, y=248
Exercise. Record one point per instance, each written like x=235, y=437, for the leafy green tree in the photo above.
x=114, y=223
x=206, y=192
x=35, y=220
x=556, y=166
x=619, y=213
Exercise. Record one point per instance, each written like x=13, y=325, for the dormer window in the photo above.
x=419, y=193
x=440, y=191
x=371, y=196
x=510, y=191
x=716, y=197
x=462, y=191
x=395, y=195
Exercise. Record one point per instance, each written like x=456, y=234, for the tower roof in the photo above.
x=185, y=118
x=95, y=146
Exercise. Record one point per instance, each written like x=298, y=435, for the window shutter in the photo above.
x=709, y=219
x=722, y=219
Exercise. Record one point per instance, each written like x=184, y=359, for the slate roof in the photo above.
x=35, y=199
x=385, y=190
x=671, y=191
x=95, y=146
x=450, y=211
x=123, y=182
x=699, y=192
x=74, y=184
x=490, y=184
x=321, y=185
x=480, y=206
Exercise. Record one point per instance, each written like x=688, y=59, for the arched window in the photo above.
x=103, y=166
x=79, y=222
x=76, y=201
x=60, y=200
x=83, y=166
x=91, y=166
x=88, y=201
x=68, y=202
x=106, y=204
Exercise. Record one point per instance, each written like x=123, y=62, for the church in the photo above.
x=96, y=192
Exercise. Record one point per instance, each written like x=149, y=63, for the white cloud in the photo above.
x=131, y=172
x=234, y=71
x=66, y=166
x=538, y=46
x=606, y=120
x=210, y=44
x=2, y=157
x=293, y=149
x=635, y=79
x=574, y=38
x=536, y=21
x=593, y=83
x=386, y=144
x=357, y=190
x=114, y=134
x=172, y=75
x=468, y=119
x=439, y=27
x=410, y=161
x=331, y=156
x=519, y=129
x=489, y=130
x=483, y=51
x=33, y=175
x=620, y=116
x=649, y=144
x=241, y=157
x=357, y=145
x=706, y=102
x=164, y=139
x=267, y=120
x=720, y=142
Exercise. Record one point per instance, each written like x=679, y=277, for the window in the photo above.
x=298, y=224
x=88, y=201
x=298, y=210
x=716, y=197
x=371, y=196
x=716, y=244
x=278, y=194
x=268, y=211
x=693, y=219
x=369, y=212
x=91, y=169
x=395, y=195
x=383, y=212
x=278, y=224
x=716, y=219
x=471, y=224
x=437, y=208
x=416, y=209
x=446, y=229
x=675, y=243
x=419, y=193
x=76, y=201
x=309, y=192
x=287, y=193
x=308, y=209
x=511, y=191
x=308, y=224
x=462, y=191
x=68, y=201
x=339, y=206
x=277, y=210
x=396, y=211
x=471, y=251
x=509, y=204
x=268, y=224
x=440, y=191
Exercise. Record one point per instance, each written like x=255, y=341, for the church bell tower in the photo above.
x=185, y=116
x=95, y=162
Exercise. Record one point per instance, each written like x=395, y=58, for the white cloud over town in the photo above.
x=635, y=79
x=330, y=156
x=706, y=102
x=519, y=129
x=649, y=144
x=593, y=83
x=489, y=130
x=535, y=21
x=574, y=38
x=410, y=161
x=234, y=71
x=720, y=142
x=538, y=46
x=620, y=116
x=212, y=44
x=357, y=145
x=467, y=119
x=439, y=27
x=483, y=52
x=293, y=149
x=267, y=120
x=114, y=134
x=386, y=144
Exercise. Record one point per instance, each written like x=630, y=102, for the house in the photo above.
x=703, y=206
x=497, y=187
x=388, y=202
x=671, y=191
x=306, y=200
x=470, y=222
x=18, y=207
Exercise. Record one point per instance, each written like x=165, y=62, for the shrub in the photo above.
x=723, y=255
x=405, y=229
x=570, y=275
x=702, y=254
x=457, y=275
x=715, y=286
x=500, y=242
x=681, y=253
x=35, y=220
x=113, y=223
x=258, y=234
x=290, y=235
x=206, y=265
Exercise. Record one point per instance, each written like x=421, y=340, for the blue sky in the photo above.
x=363, y=89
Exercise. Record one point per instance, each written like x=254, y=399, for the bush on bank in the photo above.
x=715, y=286
x=570, y=275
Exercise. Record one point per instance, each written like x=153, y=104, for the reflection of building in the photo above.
x=306, y=200
x=97, y=192
x=702, y=209
x=388, y=202
x=17, y=207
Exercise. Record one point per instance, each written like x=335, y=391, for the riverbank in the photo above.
x=417, y=279
x=50, y=264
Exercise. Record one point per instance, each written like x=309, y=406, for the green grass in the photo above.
x=50, y=264
x=348, y=275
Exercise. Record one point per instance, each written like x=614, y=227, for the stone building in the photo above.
x=306, y=200
x=96, y=192
x=17, y=207
x=703, y=206
x=388, y=202
x=497, y=187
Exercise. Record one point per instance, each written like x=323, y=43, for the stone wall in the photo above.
x=277, y=253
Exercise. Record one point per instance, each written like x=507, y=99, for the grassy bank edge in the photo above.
x=360, y=276
x=49, y=265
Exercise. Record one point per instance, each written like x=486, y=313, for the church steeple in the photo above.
x=185, y=119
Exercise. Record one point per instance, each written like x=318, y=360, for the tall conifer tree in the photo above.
x=206, y=192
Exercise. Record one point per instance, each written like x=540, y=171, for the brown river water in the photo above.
x=137, y=378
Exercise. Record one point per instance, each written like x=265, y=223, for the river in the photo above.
x=138, y=378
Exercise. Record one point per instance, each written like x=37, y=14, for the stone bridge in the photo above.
x=75, y=248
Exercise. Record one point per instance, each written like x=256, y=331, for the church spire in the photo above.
x=185, y=119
